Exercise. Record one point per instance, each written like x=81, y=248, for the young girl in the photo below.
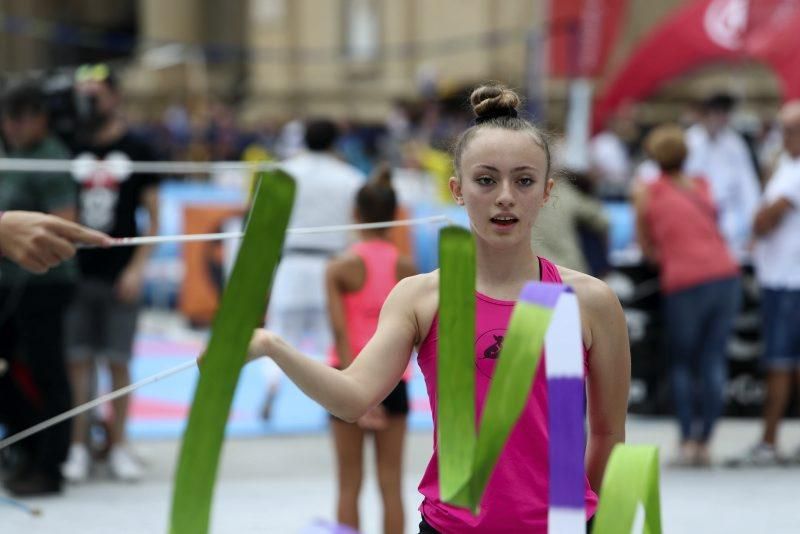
x=502, y=166
x=357, y=284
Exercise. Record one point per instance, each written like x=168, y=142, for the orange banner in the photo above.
x=203, y=278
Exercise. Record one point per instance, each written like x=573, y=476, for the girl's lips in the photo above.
x=503, y=226
x=504, y=221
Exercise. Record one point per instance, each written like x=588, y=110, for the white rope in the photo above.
x=128, y=241
x=152, y=240
x=160, y=167
x=96, y=402
x=33, y=510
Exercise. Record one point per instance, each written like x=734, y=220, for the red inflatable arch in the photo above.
x=708, y=31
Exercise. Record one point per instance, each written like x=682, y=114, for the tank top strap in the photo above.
x=548, y=271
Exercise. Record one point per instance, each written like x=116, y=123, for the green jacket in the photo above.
x=39, y=191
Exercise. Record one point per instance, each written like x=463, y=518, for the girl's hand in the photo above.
x=263, y=343
x=375, y=419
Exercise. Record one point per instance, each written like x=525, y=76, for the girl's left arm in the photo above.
x=609, y=377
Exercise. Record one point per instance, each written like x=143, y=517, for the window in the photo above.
x=362, y=32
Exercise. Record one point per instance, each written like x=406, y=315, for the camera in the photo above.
x=62, y=109
x=72, y=115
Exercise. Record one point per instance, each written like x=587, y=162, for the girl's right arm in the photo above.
x=349, y=393
x=336, y=315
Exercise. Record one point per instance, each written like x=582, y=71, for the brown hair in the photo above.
x=495, y=106
x=667, y=146
x=376, y=200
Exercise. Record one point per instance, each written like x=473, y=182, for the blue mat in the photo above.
x=159, y=410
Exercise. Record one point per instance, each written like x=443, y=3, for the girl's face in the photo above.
x=503, y=185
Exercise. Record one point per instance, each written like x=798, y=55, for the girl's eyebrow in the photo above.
x=489, y=167
x=515, y=169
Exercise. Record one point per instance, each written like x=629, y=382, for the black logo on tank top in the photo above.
x=487, y=350
x=493, y=351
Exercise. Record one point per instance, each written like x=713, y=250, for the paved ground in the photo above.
x=281, y=483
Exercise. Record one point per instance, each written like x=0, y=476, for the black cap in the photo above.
x=720, y=102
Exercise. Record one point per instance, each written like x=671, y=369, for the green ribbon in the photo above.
x=241, y=310
x=631, y=477
x=466, y=458
x=454, y=366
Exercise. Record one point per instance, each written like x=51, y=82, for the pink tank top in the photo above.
x=363, y=307
x=516, y=498
x=683, y=227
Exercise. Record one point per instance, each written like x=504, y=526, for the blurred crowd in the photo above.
x=715, y=193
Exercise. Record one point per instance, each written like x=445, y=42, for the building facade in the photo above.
x=353, y=58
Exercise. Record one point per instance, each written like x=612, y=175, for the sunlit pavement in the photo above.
x=277, y=476
x=282, y=483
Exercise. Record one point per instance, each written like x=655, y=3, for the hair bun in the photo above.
x=493, y=101
x=382, y=175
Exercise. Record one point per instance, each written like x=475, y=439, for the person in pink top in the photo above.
x=502, y=178
x=677, y=231
x=357, y=285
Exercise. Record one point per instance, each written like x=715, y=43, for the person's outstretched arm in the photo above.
x=38, y=241
x=349, y=393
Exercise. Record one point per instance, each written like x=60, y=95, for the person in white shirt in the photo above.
x=777, y=261
x=720, y=155
x=326, y=187
x=609, y=156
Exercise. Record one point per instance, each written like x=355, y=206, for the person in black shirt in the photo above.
x=102, y=322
